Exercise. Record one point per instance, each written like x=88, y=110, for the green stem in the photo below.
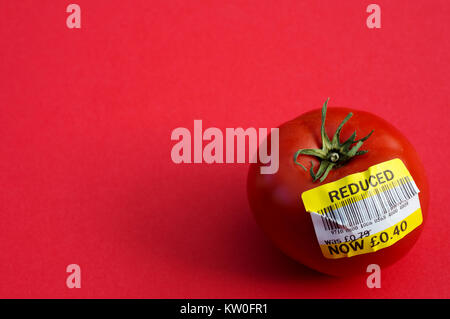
x=333, y=154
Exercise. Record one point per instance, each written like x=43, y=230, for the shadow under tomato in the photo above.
x=215, y=234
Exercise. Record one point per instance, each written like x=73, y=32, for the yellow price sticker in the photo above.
x=364, y=212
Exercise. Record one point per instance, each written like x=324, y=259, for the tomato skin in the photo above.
x=275, y=200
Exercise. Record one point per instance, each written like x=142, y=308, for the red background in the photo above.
x=86, y=115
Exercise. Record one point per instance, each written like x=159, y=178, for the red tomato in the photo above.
x=275, y=200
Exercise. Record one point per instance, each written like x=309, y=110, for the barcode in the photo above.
x=371, y=205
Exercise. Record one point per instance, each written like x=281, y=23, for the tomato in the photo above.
x=276, y=203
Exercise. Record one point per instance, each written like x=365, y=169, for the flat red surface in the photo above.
x=86, y=115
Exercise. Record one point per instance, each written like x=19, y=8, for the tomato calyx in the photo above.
x=333, y=153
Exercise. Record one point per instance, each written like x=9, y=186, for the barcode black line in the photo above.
x=368, y=206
